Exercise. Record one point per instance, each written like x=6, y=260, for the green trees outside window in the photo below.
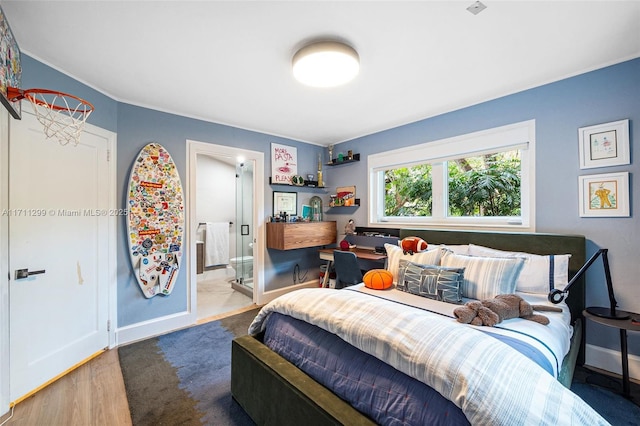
x=484, y=185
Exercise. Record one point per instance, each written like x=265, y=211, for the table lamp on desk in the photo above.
x=557, y=296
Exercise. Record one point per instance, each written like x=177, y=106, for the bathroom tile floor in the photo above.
x=215, y=295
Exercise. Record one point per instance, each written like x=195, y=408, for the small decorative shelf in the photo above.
x=354, y=206
x=335, y=162
x=307, y=184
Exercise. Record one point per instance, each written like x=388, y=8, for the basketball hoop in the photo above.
x=61, y=114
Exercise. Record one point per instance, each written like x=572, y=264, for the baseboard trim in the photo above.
x=154, y=327
x=611, y=361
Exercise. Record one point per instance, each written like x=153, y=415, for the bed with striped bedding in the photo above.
x=490, y=382
x=500, y=387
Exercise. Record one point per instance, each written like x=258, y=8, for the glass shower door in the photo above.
x=244, y=229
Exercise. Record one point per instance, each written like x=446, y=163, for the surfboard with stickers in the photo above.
x=155, y=220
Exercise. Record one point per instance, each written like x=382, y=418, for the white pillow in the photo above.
x=540, y=274
x=485, y=277
x=394, y=254
x=456, y=248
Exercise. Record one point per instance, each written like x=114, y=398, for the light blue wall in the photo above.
x=138, y=126
x=35, y=74
x=560, y=108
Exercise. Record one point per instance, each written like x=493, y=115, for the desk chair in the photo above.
x=347, y=268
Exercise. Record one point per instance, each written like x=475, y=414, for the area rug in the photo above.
x=183, y=378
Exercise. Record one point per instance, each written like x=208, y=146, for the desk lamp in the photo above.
x=557, y=296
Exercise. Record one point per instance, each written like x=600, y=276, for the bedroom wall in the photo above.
x=137, y=126
x=559, y=108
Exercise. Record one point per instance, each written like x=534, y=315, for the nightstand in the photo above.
x=623, y=325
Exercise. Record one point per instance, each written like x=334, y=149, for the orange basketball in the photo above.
x=378, y=279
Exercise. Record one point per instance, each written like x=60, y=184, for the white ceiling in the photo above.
x=230, y=61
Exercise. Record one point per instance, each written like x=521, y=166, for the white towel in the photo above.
x=216, y=246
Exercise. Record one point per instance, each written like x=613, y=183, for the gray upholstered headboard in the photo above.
x=523, y=242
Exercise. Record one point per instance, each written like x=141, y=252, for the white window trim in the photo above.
x=517, y=136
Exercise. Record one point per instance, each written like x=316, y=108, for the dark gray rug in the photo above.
x=183, y=378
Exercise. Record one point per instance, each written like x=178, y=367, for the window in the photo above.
x=483, y=179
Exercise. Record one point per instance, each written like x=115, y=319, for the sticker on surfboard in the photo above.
x=156, y=220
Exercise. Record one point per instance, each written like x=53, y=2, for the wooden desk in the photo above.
x=623, y=326
x=365, y=254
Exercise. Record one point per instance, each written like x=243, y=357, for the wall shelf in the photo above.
x=335, y=162
x=306, y=185
x=354, y=206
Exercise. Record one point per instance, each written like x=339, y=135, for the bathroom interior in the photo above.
x=224, y=248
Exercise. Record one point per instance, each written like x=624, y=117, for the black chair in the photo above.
x=347, y=268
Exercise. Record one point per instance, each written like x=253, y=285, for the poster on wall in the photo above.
x=284, y=163
x=10, y=68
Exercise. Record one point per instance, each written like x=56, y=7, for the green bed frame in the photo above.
x=275, y=392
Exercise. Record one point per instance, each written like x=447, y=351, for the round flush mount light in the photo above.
x=325, y=64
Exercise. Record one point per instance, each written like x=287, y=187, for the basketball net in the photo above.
x=62, y=115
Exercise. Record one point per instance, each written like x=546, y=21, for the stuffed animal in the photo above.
x=490, y=312
x=413, y=245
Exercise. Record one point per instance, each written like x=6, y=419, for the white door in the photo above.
x=58, y=232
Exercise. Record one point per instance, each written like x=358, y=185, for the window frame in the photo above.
x=513, y=136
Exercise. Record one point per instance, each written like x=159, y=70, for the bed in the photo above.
x=274, y=389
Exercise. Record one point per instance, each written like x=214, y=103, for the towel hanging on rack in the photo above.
x=216, y=247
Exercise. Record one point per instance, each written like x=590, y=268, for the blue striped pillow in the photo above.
x=485, y=277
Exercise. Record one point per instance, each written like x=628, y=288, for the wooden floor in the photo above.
x=91, y=395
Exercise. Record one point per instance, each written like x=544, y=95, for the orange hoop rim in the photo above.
x=15, y=94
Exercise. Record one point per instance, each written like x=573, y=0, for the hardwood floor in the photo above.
x=91, y=395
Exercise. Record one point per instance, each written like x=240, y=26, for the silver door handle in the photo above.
x=24, y=273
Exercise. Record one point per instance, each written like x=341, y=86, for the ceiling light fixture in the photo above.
x=325, y=64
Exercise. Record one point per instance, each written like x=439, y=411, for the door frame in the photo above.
x=5, y=302
x=195, y=148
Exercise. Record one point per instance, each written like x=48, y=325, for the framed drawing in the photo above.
x=605, y=195
x=284, y=163
x=604, y=145
x=346, y=196
x=10, y=68
x=285, y=202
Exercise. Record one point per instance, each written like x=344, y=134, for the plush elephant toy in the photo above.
x=490, y=312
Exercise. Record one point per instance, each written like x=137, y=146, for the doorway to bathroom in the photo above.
x=224, y=197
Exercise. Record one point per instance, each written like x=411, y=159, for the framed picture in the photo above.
x=10, y=68
x=604, y=145
x=346, y=196
x=285, y=202
x=605, y=195
x=306, y=211
x=284, y=163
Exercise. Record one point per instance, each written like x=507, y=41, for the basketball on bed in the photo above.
x=413, y=245
x=378, y=279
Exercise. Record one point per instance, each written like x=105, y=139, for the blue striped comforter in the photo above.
x=489, y=381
